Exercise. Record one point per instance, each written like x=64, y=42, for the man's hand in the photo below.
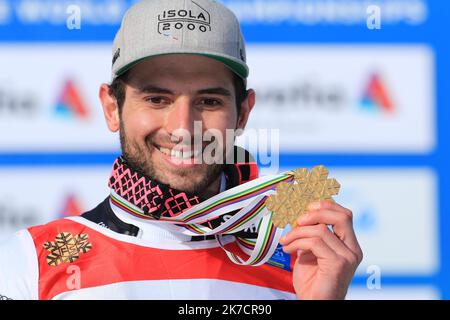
x=326, y=260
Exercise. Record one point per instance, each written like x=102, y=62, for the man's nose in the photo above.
x=180, y=119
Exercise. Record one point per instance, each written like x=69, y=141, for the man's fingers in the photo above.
x=321, y=231
x=330, y=205
x=337, y=219
x=316, y=245
x=341, y=220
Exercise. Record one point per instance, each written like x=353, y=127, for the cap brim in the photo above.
x=236, y=67
x=240, y=69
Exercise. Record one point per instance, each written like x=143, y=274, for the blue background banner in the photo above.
x=294, y=22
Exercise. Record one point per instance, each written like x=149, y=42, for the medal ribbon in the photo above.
x=246, y=204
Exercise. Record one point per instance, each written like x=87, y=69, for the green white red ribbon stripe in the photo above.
x=264, y=246
x=249, y=198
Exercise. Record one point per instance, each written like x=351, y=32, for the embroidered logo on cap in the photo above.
x=194, y=18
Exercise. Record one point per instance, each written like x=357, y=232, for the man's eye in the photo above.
x=157, y=100
x=211, y=102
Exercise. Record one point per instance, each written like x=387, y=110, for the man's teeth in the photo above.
x=180, y=154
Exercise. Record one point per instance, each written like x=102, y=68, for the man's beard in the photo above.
x=141, y=160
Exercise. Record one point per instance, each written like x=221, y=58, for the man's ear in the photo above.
x=246, y=107
x=110, y=108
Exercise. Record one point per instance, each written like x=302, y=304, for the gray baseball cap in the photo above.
x=157, y=27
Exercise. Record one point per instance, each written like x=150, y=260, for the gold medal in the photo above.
x=292, y=199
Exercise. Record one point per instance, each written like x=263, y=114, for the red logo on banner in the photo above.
x=70, y=103
x=71, y=207
x=376, y=96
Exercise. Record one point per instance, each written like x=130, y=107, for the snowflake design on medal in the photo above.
x=66, y=248
x=292, y=200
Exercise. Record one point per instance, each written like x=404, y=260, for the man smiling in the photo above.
x=179, y=65
x=165, y=96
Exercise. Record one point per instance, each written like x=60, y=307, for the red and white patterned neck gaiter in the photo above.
x=151, y=196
